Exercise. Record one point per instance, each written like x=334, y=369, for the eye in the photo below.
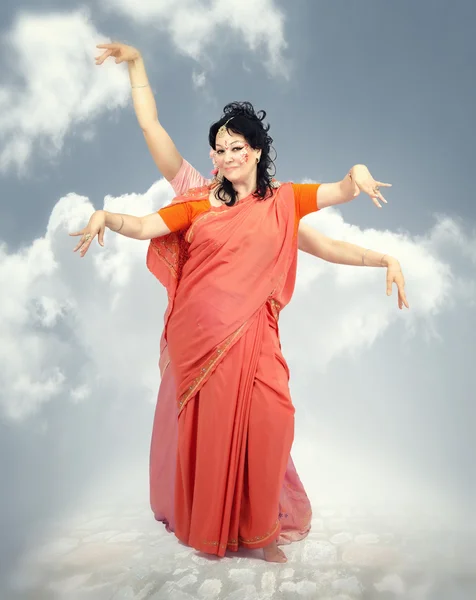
x=237, y=148
x=219, y=151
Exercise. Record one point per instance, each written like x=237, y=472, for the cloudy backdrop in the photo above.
x=384, y=398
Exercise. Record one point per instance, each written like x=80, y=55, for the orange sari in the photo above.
x=221, y=471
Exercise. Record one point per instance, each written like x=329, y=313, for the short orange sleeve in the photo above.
x=180, y=216
x=305, y=195
x=305, y=198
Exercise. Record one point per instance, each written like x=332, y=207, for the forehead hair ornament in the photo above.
x=222, y=131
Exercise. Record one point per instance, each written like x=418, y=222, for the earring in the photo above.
x=257, y=159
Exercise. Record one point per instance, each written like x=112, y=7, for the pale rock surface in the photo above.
x=123, y=554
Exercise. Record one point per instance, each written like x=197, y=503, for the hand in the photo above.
x=96, y=226
x=121, y=52
x=362, y=178
x=395, y=275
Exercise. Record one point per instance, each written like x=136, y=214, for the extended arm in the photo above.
x=138, y=228
x=345, y=253
x=357, y=179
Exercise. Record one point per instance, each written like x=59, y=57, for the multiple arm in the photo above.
x=169, y=161
x=342, y=253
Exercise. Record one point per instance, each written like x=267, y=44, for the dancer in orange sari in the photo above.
x=226, y=253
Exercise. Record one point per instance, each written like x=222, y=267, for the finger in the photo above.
x=381, y=184
x=389, y=286
x=401, y=293
x=379, y=195
x=77, y=233
x=375, y=199
x=85, y=248
x=103, y=57
x=404, y=300
x=78, y=246
x=101, y=237
x=106, y=45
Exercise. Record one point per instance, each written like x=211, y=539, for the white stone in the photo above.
x=97, y=592
x=242, y=575
x=100, y=536
x=287, y=573
x=319, y=551
x=201, y=560
x=186, y=580
x=268, y=583
x=170, y=592
x=126, y=593
x=306, y=588
x=341, y=538
x=391, y=583
x=367, y=538
x=248, y=592
x=350, y=585
x=128, y=536
x=209, y=589
x=287, y=586
x=66, y=586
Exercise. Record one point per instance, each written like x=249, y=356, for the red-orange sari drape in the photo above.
x=221, y=472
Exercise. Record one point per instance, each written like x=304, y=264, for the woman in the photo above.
x=227, y=254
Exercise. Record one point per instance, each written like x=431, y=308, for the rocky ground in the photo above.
x=114, y=554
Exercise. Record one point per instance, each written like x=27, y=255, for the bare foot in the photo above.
x=274, y=554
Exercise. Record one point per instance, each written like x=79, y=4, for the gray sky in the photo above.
x=385, y=402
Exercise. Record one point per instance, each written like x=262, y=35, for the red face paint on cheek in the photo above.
x=244, y=156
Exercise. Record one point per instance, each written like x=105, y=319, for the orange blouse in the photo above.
x=180, y=216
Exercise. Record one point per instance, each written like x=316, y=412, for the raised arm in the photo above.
x=161, y=146
x=163, y=150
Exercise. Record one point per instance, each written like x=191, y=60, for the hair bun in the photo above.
x=245, y=109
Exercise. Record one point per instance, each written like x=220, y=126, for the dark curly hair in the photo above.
x=249, y=124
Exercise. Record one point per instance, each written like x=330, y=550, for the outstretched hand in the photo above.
x=120, y=52
x=95, y=227
x=364, y=181
x=395, y=276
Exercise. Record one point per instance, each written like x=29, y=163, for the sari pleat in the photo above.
x=224, y=406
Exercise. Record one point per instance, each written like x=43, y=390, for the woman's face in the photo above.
x=234, y=158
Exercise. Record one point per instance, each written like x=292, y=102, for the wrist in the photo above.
x=107, y=218
x=390, y=262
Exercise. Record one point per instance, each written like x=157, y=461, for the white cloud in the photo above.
x=64, y=319
x=55, y=85
x=69, y=323
x=358, y=295
x=199, y=79
x=199, y=28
